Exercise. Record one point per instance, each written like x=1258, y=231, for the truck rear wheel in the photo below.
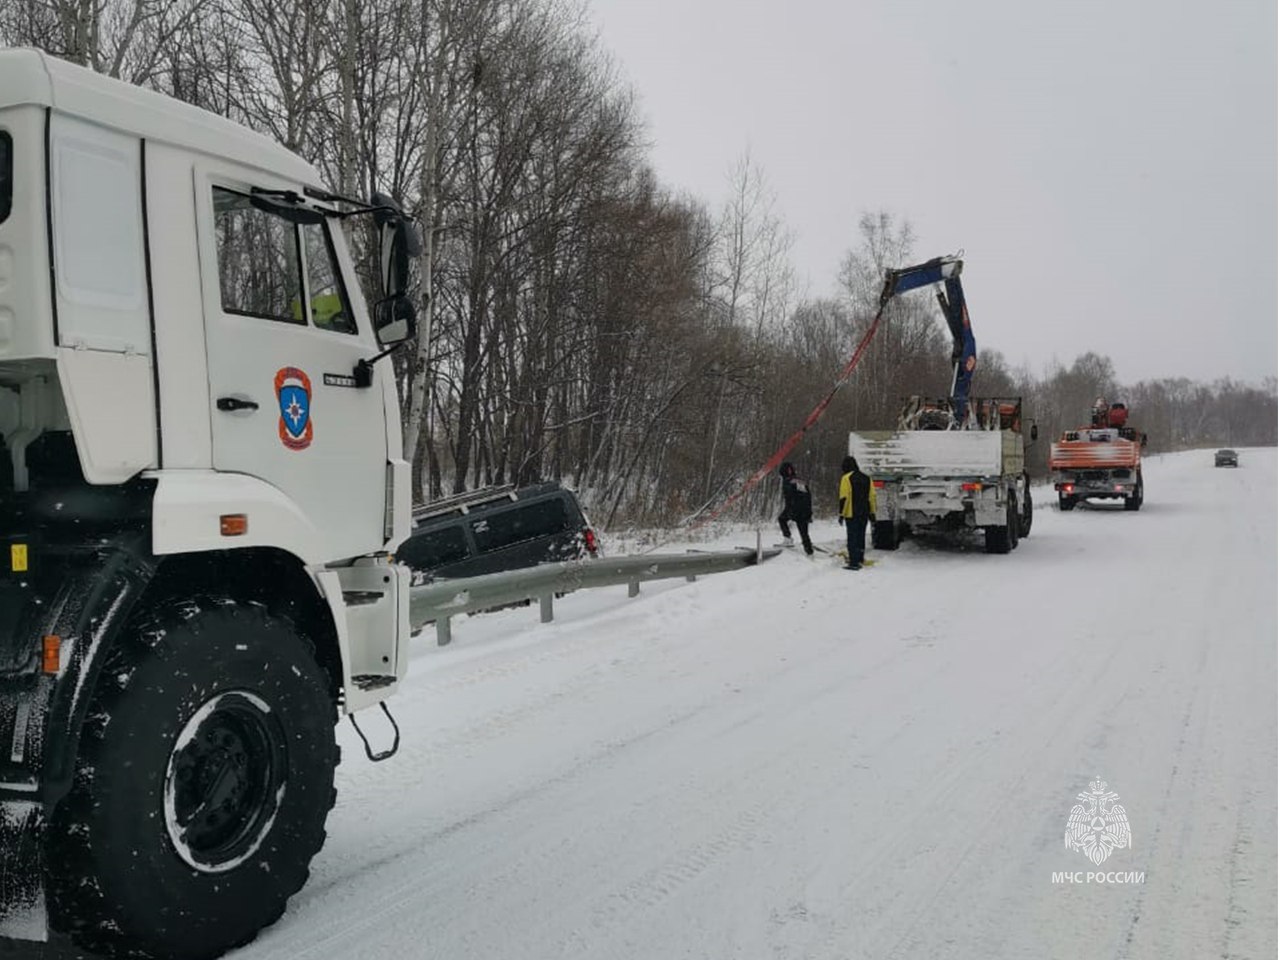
x=884, y=535
x=1135, y=502
x=204, y=780
x=1004, y=538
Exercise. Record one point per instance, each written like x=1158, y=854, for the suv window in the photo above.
x=434, y=548
x=6, y=175
x=502, y=528
x=258, y=272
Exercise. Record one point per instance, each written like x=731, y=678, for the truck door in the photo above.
x=283, y=340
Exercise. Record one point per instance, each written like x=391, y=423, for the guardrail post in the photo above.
x=759, y=549
x=444, y=633
x=633, y=588
x=545, y=604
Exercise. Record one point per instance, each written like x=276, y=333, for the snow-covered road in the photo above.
x=795, y=761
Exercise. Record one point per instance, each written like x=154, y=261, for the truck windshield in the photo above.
x=6, y=175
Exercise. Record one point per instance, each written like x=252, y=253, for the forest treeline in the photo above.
x=579, y=320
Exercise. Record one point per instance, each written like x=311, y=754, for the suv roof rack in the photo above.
x=463, y=502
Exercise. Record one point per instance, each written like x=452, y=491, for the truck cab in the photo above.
x=201, y=485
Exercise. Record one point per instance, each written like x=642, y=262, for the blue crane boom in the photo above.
x=945, y=273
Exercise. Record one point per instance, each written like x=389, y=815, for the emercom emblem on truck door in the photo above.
x=293, y=394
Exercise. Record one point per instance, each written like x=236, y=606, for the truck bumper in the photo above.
x=1095, y=488
x=947, y=504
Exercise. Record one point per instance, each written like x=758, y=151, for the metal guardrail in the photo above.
x=447, y=598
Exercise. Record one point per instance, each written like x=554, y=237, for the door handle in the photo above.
x=229, y=404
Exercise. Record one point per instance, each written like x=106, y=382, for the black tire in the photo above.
x=884, y=535
x=1015, y=522
x=1066, y=502
x=203, y=782
x=1004, y=538
x=1135, y=502
x=1025, y=528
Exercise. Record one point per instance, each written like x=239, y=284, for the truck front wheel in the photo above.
x=204, y=779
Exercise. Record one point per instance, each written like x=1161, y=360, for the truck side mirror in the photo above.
x=396, y=320
x=1035, y=432
x=399, y=242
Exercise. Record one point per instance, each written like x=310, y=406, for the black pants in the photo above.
x=801, y=525
x=855, y=529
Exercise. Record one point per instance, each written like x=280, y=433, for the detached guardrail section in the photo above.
x=440, y=601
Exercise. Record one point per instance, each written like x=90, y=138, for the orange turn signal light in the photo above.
x=973, y=487
x=51, y=654
x=234, y=524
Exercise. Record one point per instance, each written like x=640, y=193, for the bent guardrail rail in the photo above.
x=440, y=601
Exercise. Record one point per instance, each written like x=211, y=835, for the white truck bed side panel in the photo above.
x=928, y=453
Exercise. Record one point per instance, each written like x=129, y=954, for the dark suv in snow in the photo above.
x=1226, y=458
x=500, y=528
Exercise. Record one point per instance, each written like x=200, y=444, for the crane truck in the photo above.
x=201, y=487
x=954, y=464
x=1101, y=461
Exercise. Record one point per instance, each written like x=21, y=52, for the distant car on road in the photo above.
x=500, y=528
x=1226, y=458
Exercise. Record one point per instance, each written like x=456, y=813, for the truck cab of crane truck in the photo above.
x=189, y=410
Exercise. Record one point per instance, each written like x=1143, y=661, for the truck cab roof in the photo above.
x=32, y=77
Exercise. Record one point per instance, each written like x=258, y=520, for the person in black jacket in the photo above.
x=797, y=506
x=857, y=506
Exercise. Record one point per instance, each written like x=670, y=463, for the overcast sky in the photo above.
x=1109, y=168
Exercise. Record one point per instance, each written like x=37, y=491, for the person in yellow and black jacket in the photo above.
x=857, y=506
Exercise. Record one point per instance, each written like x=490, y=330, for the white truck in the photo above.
x=933, y=476
x=201, y=486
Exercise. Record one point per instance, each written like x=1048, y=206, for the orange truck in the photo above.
x=1102, y=461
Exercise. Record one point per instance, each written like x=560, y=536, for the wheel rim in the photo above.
x=225, y=781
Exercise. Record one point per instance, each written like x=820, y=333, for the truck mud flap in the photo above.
x=22, y=897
